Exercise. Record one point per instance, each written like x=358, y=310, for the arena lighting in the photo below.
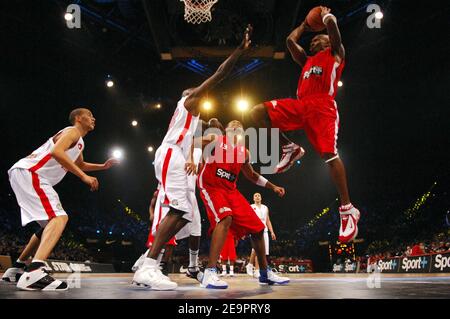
x=110, y=83
x=150, y=149
x=117, y=154
x=340, y=83
x=242, y=105
x=379, y=15
x=134, y=123
x=68, y=16
x=207, y=105
x=158, y=106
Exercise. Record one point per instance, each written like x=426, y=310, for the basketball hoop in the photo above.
x=198, y=11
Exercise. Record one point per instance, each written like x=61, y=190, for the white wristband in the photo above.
x=261, y=181
x=328, y=15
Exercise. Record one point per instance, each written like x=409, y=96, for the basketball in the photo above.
x=314, y=20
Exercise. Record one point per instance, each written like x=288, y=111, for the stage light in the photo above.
x=207, y=105
x=98, y=232
x=158, y=106
x=298, y=162
x=117, y=154
x=340, y=83
x=150, y=149
x=379, y=15
x=242, y=105
x=68, y=16
x=134, y=123
x=110, y=83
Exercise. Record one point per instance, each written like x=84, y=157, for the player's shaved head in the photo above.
x=215, y=123
x=77, y=112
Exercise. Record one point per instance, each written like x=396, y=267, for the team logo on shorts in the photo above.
x=59, y=206
x=174, y=202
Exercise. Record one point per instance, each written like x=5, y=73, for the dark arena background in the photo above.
x=129, y=61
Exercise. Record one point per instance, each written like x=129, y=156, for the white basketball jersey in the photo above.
x=262, y=213
x=181, y=128
x=192, y=179
x=43, y=164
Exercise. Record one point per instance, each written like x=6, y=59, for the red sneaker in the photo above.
x=291, y=153
x=349, y=223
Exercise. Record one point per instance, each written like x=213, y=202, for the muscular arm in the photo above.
x=334, y=34
x=90, y=167
x=269, y=225
x=298, y=54
x=253, y=176
x=192, y=102
x=65, y=141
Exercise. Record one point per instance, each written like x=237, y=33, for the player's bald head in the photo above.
x=77, y=112
x=319, y=43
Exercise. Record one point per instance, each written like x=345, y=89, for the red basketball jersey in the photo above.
x=320, y=75
x=221, y=170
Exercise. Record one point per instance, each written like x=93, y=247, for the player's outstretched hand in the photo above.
x=92, y=182
x=245, y=44
x=279, y=190
x=190, y=168
x=110, y=163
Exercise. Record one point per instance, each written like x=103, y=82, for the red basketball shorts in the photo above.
x=317, y=115
x=221, y=203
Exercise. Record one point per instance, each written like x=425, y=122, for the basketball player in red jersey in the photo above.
x=32, y=179
x=172, y=159
x=227, y=208
x=314, y=111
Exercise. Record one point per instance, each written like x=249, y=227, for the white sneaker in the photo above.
x=12, y=274
x=39, y=279
x=250, y=269
x=278, y=280
x=291, y=153
x=223, y=274
x=349, y=216
x=138, y=263
x=151, y=277
x=256, y=273
x=211, y=281
x=231, y=274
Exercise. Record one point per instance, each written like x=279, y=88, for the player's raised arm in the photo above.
x=191, y=103
x=258, y=179
x=298, y=54
x=330, y=22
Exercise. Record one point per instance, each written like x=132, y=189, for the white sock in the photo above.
x=231, y=268
x=20, y=261
x=250, y=265
x=150, y=262
x=147, y=252
x=37, y=261
x=193, y=258
x=224, y=268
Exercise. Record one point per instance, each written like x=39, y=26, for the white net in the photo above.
x=198, y=11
